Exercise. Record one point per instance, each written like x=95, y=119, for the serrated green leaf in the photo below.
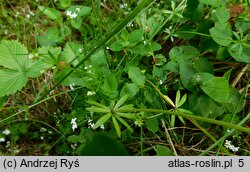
x=121, y=101
x=37, y=68
x=136, y=76
x=117, y=127
x=14, y=55
x=71, y=53
x=11, y=81
x=44, y=54
x=102, y=120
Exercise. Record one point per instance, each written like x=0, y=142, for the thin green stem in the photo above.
x=199, y=118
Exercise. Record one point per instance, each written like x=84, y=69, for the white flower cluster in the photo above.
x=90, y=93
x=72, y=14
x=74, y=125
x=123, y=6
x=6, y=132
x=91, y=124
x=2, y=139
x=228, y=144
x=71, y=86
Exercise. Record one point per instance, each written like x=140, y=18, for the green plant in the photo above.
x=179, y=58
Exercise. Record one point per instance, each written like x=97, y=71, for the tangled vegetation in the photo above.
x=148, y=77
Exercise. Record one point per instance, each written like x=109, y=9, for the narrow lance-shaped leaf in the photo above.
x=102, y=120
x=97, y=109
x=97, y=104
x=177, y=98
x=124, y=123
x=117, y=127
x=121, y=101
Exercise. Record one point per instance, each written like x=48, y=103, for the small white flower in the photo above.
x=31, y=13
x=102, y=127
x=90, y=123
x=139, y=122
x=78, y=10
x=228, y=144
x=68, y=13
x=6, y=32
x=79, y=50
x=28, y=16
x=74, y=125
x=43, y=129
x=31, y=56
x=71, y=86
x=17, y=14
x=41, y=137
x=145, y=42
x=2, y=139
x=161, y=82
x=6, y=132
x=124, y=5
x=90, y=93
x=130, y=24
x=107, y=48
x=73, y=15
